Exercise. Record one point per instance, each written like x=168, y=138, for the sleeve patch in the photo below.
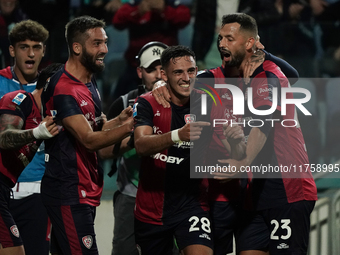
x=135, y=110
x=19, y=98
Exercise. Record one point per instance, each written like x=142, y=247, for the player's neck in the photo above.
x=76, y=69
x=24, y=79
x=178, y=99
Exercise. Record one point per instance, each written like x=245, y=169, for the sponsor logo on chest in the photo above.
x=167, y=159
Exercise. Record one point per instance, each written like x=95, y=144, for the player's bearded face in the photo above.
x=89, y=61
x=236, y=58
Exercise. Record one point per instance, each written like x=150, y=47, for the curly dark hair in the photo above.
x=28, y=30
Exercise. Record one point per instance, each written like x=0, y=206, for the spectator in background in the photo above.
x=287, y=30
x=147, y=20
x=10, y=13
x=204, y=29
x=327, y=15
x=100, y=9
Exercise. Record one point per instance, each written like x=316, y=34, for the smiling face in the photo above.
x=180, y=74
x=232, y=44
x=94, y=50
x=27, y=55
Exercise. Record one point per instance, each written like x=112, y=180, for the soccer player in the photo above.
x=179, y=205
x=27, y=47
x=20, y=137
x=73, y=181
x=149, y=71
x=226, y=198
x=281, y=202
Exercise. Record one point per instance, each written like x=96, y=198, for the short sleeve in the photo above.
x=143, y=113
x=66, y=106
x=19, y=104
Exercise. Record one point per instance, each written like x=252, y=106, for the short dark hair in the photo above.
x=76, y=29
x=46, y=73
x=175, y=52
x=247, y=23
x=28, y=30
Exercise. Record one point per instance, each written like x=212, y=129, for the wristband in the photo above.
x=175, y=136
x=41, y=132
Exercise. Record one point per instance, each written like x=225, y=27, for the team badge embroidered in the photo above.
x=87, y=241
x=15, y=231
x=189, y=118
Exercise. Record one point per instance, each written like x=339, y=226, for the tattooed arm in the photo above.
x=11, y=135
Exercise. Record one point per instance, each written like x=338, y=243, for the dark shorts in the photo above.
x=123, y=232
x=31, y=217
x=9, y=233
x=224, y=222
x=158, y=239
x=72, y=229
x=280, y=230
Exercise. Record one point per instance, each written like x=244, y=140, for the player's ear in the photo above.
x=77, y=48
x=250, y=43
x=163, y=75
x=11, y=51
x=139, y=72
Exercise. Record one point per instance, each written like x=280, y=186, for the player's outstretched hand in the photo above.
x=192, y=131
x=234, y=133
x=161, y=93
x=125, y=115
x=130, y=122
x=46, y=129
x=126, y=118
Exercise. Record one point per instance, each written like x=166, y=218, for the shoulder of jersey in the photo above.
x=270, y=66
x=18, y=97
x=6, y=72
x=148, y=96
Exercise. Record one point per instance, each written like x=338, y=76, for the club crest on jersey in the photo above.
x=19, y=98
x=189, y=118
x=15, y=231
x=134, y=114
x=87, y=241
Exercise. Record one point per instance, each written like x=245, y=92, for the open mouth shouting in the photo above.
x=225, y=54
x=29, y=64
